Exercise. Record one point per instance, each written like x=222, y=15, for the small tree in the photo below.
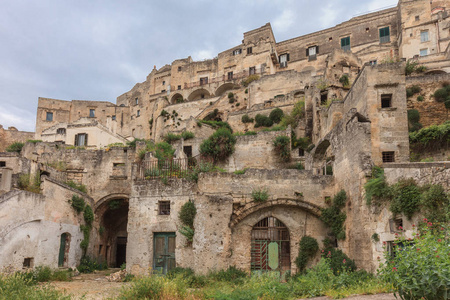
x=282, y=146
x=219, y=145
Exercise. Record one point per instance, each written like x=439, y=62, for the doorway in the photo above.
x=163, y=252
x=270, y=246
x=64, y=246
x=121, y=251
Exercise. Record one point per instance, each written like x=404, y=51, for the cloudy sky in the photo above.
x=97, y=50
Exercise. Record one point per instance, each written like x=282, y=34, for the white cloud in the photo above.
x=204, y=54
x=19, y=119
x=379, y=4
x=284, y=22
x=328, y=15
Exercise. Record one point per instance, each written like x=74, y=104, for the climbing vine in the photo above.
x=308, y=248
x=187, y=215
x=282, y=146
x=79, y=205
x=334, y=217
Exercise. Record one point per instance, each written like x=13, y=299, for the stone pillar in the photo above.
x=5, y=184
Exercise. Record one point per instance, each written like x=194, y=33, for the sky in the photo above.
x=98, y=50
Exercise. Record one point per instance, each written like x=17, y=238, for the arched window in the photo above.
x=270, y=249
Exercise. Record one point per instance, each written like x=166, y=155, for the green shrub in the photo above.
x=413, y=115
x=188, y=232
x=34, y=141
x=88, y=215
x=276, y=115
x=297, y=113
x=154, y=287
x=297, y=166
x=375, y=237
x=339, y=261
x=114, y=204
x=246, y=119
x=333, y=217
x=240, y=172
x=187, y=214
x=409, y=269
x=415, y=89
x=215, y=124
x=211, y=115
x=410, y=67
x=164, y=151
x=405, y=198
x=420, y=98
x=261, y=120
x=186, y=135
x=78, y=186
x=15, y=147
x=308, y=248
x=77, y=203
x=132, y=144
x=42, y=273
x=376, y=187
x=89, y=265
x=249, y=80
x=282, y=145
x=260, y=195
x=171, y=137
x=435, y=203
x=440, y=95
x=219, y=145
x=409, y=93
x=274, y=128
x=344, y=80
x=232, y=275
x=430, y=138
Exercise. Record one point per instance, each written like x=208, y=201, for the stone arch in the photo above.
x=436, y=71
x=323, y=158
x=199, y=94
x=175, y=97
x=252, y=207
x=225, y=88
x=112, y=216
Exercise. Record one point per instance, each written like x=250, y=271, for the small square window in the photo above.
x=388, y=156
x=237, y=51
x=113, y=117
x=330, y=39
x=424, y=36
x=92, y=113
x=203, y=80
x=396, y=225
x=136, y=101
x=2, y=164
x=301, y=152
x=164, y=207
x=163, y=91
x=179, y=87
x=49, y=116
x=202, y=96
x=249, y=50
x=230, y=75
x=367, y=29
x=138, y=113
x=386, y=100
x=283, y=59
x=163, y=83
x=28, y=262
x=179, y=69
x=423, y=52
x=81, y=139
x=417, y=18
x=373, y=62
x=252, y=70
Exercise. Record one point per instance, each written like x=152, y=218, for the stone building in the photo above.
x=352, y=83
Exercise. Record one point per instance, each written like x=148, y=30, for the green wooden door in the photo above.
x=62, y=250
x=163, y=252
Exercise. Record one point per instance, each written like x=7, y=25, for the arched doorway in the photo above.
x=199, y=95
x=64, y=247
x=270, y=246
x=113, y=231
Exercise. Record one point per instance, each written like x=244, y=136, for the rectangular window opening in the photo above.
x=203, y=80
x=179, y=87
x=179, y=69
x=113, y=117
x=424, y=36
x=301, y=152
x=388, y=156
x=252, y=70
x=373, y=62
x=91, y=113
x=237, y=51
x=230, y=75
x=345, y=43
x=163, y=83
x=423, y=52
x=136, y=101
x=49, y=116
x=311, y=52
x=283, y=59
x=2, y=164
x=386, y=100
x=28, y=262
x=385, y=35
x=249, y=50
x=164, y=207
x=81, y=139
x=138, y=113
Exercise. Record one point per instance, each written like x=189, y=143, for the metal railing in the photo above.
x=236, y=76
x=177, y=167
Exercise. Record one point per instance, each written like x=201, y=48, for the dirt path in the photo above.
x=361, y=297
x=91, y=286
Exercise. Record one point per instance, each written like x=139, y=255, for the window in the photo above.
x=138, y=113
x=136, y=101
x=283, y=59
x=249, y=50
x=164, y=207
x=373, y=62
x=61, y=131
x=252, y=70
x=163, y=83
x=179, y=69
x=388, y=156
x=423, y=52
x=237, y=51
x=345, y=43
x=81, y=139
x=384, y=35
x=230, y=75
x=202, y=96
x=49, y=116
x=330, y=39
x=2, y=164
x=203, y=80
x=424, y=36
x=301, y=152
x=312, y=52
x=92, y=113
x=179, y=87
x=113, y=117
x=395, y=225
x=163, y=91
x=417, y=18
x=28, y=262
x=386, y=100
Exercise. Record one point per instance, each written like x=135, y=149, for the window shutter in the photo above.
x=85, y=140
x=387, y=31
x=75, y=143
x=307, y=52
x=288, y=57
x=317, y=50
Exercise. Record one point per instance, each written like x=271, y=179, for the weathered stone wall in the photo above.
x=11, y=135
x=431, y=112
